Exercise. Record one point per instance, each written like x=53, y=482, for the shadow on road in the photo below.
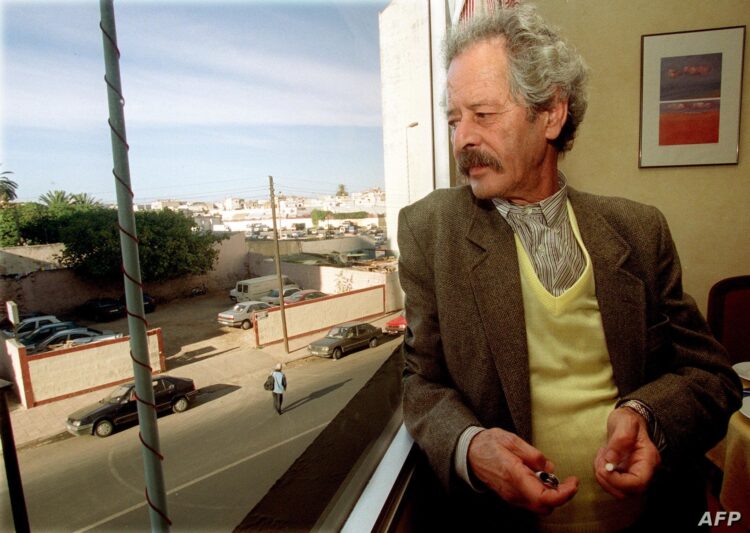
x=314, y=395
x=195, y=356
x=213, y=392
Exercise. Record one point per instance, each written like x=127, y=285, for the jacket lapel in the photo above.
x=496, y=286
x=620, y=294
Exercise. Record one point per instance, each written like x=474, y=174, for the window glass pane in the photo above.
x=217, y=97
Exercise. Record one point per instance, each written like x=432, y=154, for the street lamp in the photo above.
x=408, y=178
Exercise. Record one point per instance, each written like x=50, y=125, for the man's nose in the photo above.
x=465, y=135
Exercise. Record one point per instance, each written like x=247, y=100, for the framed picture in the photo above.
x=691, y=89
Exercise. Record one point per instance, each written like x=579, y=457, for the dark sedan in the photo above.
x=120, y=407
x=149, y=303
x=102, y=309
x=346, y=338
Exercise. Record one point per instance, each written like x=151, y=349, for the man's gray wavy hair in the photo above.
x=542, y=65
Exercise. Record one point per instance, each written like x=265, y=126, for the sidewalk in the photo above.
x=46, y=423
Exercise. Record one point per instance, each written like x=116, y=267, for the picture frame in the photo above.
x=691, y=96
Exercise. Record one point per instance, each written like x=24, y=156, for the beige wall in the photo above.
x=67, y=372
x=23, y=259
x=303, y=318
x=334, y=280
x=706, y=206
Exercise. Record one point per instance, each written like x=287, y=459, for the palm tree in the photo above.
x=55, y=199
x=84, y=199
x=7, y=188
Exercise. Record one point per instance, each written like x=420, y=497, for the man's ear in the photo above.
x=556, y=117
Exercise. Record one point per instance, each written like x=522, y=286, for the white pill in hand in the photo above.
x=609, y=467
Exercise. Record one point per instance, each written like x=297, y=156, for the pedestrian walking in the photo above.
x=279, y=386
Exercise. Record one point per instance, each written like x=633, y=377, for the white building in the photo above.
x=166, y=204
x=231, y=204
x=415, y=133
x=372, y=201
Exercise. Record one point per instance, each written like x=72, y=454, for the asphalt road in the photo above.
x=221, y=456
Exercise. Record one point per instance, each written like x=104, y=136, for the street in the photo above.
x=221, y=455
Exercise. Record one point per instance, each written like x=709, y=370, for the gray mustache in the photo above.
x=476, y=158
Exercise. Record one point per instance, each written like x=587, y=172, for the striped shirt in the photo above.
x=546, y=234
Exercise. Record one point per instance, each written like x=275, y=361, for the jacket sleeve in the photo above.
x=689, y=385
x=434, y=412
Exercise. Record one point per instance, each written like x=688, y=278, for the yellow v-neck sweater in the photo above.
x=572, y=393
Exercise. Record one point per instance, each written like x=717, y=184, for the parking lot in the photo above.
x=190, y=330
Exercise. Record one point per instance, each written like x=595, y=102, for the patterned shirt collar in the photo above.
x=552, y=209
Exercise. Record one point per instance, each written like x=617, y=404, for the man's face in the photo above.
x=501, y=152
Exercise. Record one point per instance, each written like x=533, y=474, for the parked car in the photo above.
x=242, y=314
x=149, y=303
x=102, y=309
x=28, y=325
x=273, y=296
x=346, y=338
x=41, y=333
x=395, y=326
x=255, y=288
x=121, y=407
x=302, y=296
x=71, y=337
x=7, y=326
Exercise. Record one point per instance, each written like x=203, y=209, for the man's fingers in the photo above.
x=628, y=477
x=507, y=464
x=531, y=457
x=541, y=499
x=560, y=495
x=620, y=444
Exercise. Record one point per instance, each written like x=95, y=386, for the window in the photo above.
x=292, y=88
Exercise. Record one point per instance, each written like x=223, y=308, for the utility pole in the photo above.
x=278, y=264
x=156, y=494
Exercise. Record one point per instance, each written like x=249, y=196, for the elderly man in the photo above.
x=548, y=331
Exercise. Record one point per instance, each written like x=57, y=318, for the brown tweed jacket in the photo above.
x=465, y=348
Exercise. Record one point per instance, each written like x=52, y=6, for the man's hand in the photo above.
x=506, y=464
x=630, y=450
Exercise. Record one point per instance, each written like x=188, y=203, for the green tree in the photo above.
x=169, y=245
x=92, y=246
x=56, y=199
x=319, y=215
x=84, y=199
x=342, y=190
x=25, y=223
x=7, y=188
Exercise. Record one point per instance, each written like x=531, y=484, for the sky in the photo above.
x=218, y=96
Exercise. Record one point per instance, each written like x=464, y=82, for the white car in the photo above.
x=29, y=325
x=242, y=314
x=71, y=337
x=273, y=296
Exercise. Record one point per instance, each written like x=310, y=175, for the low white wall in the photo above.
x=13, y=369
x=25, y=259
x=59, y=374
x=335, y=280
x=320, y=314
